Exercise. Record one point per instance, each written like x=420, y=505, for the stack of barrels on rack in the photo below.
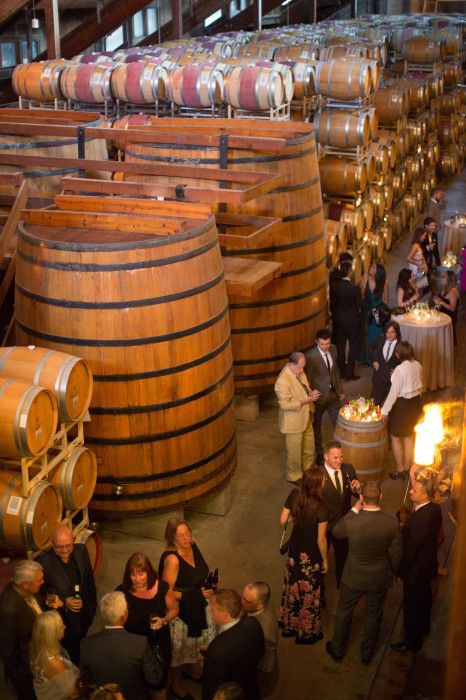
x=46, y=473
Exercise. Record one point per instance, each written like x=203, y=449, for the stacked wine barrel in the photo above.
x=45, y=474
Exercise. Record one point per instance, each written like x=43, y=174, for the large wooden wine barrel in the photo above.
x=352, y=216
x=332, y=230
x=368, y=210
x=87, y=82
x=42, y=180
x=254, y=87
x=342, y=177
x=424, y=49
x=27, y=523
x=67, y=377
x=75, y=478
x=39, y=80
x=297, y=52
x=142, y=82
x=303, y=78
x=341, y=128
x=28, y=419
x=365, y=446
x=148, y=312
x=391, y=103
x=287, y=311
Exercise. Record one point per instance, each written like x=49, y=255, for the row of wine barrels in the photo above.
x=28, y=421
x=27, y=523
x=67, y=377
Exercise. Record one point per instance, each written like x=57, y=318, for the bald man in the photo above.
x=67, y=565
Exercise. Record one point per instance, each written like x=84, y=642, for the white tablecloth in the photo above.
x=433, y=345
x=453, y=238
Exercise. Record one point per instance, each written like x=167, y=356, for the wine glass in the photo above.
x=51, y=598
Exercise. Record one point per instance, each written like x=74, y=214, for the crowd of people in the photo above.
x=170, y=622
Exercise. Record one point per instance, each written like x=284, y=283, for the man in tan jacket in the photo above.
x=296, y=401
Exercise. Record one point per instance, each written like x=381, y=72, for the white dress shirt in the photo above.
x=406, y=383
x=389, y=347
x=227, y=626
x=335, y=474
x=324, y=355
x=420, y=505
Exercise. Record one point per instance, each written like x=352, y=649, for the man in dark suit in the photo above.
x=346, y=314
x=335, y=274
x=375, y=550
x=67, y=565
x=19, y=608
x=235, y=652
x=323, y=375
x=340, y=485
x=419, y=564
x=384, y=360
x=113, y=655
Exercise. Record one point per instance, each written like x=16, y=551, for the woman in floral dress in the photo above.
x=307, y=559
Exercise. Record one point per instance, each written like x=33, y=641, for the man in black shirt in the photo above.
x=67, y=566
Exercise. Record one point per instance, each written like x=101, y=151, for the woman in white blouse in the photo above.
x=404, y=406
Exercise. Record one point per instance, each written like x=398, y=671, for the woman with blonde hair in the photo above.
x=54, y=674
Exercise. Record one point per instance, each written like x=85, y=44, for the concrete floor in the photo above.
x=244, y=546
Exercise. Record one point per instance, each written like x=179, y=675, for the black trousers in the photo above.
x=350, y=332
x=340, y=548
x=417, y=604
x=331, y=406
x=349, y=598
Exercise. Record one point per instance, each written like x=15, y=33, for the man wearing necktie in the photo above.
x=323, y=374
x=296, y=402
x=384, y=360
x=19, y=608
x=341, y=484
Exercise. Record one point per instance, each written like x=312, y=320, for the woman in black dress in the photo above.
x=151, y=608
x=307, y=559
x=384, y=360
x=448, y=299
x=406, y=292
x=183, y=567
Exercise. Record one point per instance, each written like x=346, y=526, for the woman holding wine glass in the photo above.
x=185, y=570
x=151, y=608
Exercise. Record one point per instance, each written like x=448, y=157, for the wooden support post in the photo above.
x=52, y=29
x=313, y=12
x=258, y=15
x=177, y=19
x=354, y=8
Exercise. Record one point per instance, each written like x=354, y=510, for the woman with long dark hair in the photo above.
x=406, y=292
x=307, y=559
x=374, y=290
x=416, y=260
x=448, y=299
x=151, y=608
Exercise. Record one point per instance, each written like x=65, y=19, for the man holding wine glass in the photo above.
x=69, y=587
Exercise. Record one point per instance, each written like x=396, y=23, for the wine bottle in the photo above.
x=215, y=579
x=209, y=584
x=76, y=594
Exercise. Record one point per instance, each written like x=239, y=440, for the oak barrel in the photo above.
x=196, y=85
x=285, y=313
x=365, y=446
x=27, y=522
x=332, y=240
x=149, y=314
x=352, y=216
x=424, y=49
x=142, y=82
x=87, y=82
x=342, y=129
x=342, y=177
x=254, y=87
x=344, y=80
x=28, y=419
x=39, y=80
x=75, y=478
x=67, y=377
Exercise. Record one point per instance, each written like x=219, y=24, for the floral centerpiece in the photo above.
x=361, y=409
x=421, y=311
x=458, y=218
x=450, y=259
